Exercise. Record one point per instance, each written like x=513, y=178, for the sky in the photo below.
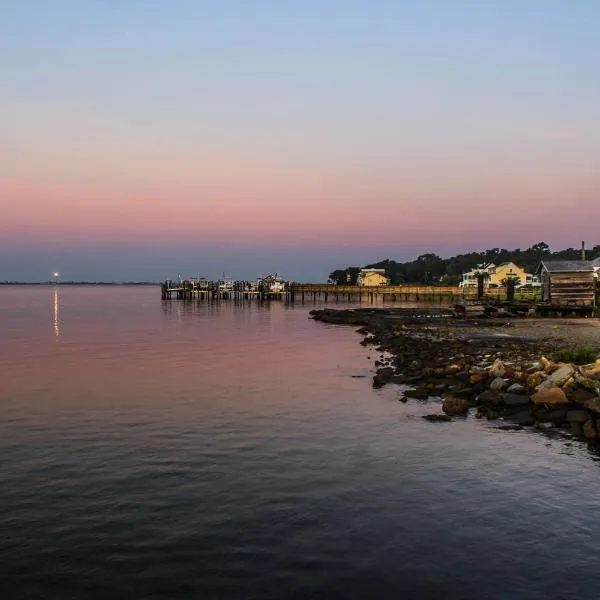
x=141, y=139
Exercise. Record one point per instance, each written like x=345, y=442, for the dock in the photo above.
x=291, y=292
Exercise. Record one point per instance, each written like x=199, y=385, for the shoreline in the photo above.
x=497, y=369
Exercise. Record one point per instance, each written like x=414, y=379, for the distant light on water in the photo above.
x=56, y=321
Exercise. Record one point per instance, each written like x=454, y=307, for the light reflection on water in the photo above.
x=180, y=450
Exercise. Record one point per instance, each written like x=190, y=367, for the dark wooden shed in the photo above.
x=568, y=284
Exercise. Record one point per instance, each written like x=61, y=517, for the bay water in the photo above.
x=154, y=449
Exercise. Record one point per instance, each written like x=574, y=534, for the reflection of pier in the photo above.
x=303, y=292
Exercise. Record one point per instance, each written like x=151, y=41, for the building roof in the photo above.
x=565, y=266
x=372, y=271
x=596, y=263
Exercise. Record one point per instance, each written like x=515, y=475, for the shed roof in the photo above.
x=565, y=266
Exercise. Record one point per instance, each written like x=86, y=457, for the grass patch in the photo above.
x=580, y=355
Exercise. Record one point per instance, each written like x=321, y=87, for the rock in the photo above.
x=455, y=406
x=466, y=393
x=452, y=369
x=516, y=388
x=552, y=396
x=589, y=430
x=555, y=415
x=498, y=384
x=435, y=418
x=535, y=379
x=497, y=369
x=593, y=404
x=576, y=428
x=510, y=427
x=562, y=374
x=383, y=376
x=523, y=417
x=547, y=365
x=415, y=365
x=545, y=385
x=577, y=415
x=477, y=377
x=535, y=367
x=489, y=397
x=403, y=399
x=437, y=388
x=579, y=395
x=514, y=399
x=589, y=384
x=545, y=426
x=419, y=393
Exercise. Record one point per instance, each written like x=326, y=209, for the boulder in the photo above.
x=551, y=396
x=593, y=404
x=545, y=385
x=498, y=384
x=455, y=406
x=547, y=365
x=589, y=384
x=523, y=418
x=435, y=418
x=577, y=415
x=419, y=393
x=466, y=393
x=477, y=377
x=453, y=369
x=383, y=376
x=535, y=379
x=589, y=430
x=514, y=399
x=489, y=397
x=516, y=388
x=579, y=395
x=553, y=415
x=497, y=369
x=562, y=374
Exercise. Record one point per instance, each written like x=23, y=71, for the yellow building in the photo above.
x=372, y=277
x=500, y=273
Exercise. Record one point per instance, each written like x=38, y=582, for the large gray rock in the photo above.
x=560, y=376
x=516, y=388
x=514, y=399
x=498, y=384
x=547, y=384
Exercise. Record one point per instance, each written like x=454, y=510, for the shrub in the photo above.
x=580, y=355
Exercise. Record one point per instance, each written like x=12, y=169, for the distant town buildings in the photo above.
x=496, y=275
x=372, y=277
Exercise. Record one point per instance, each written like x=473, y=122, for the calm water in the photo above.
x=152, y=450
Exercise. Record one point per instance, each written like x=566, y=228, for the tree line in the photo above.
x=431, y=268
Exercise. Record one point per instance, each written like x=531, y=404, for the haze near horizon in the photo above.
x=145, y=139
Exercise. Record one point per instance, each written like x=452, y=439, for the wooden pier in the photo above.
x=324, y=292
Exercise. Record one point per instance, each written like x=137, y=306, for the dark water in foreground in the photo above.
x=213, y=451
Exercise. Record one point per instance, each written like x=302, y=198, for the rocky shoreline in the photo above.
x=477, y=367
